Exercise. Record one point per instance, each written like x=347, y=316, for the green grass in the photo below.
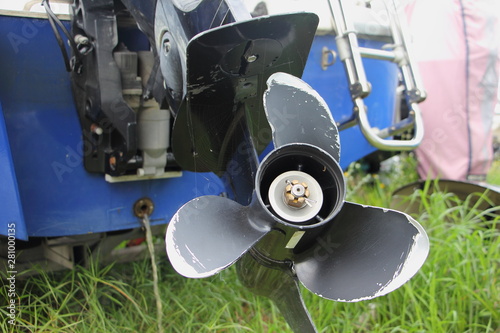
x=494, y=174
x=457, y=289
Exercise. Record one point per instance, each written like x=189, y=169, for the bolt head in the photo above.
x=166, y=46
x=252, y=58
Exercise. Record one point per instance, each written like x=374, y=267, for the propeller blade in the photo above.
x=276, y=282
x=367, y=252
x=297, y=113
x=210, y=233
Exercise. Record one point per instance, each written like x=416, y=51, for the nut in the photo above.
x=296, y=194
x=143, y=207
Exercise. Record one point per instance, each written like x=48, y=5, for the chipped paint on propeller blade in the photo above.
x=210, y=233
x=297, y=113
x=367, y=252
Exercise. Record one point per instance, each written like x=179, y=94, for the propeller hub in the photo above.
x=300, y=185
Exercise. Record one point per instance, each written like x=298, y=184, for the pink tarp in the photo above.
x=456, y=45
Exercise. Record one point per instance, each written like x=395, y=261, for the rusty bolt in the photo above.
x=94, y=128
x=112, y=162
x=143, y=207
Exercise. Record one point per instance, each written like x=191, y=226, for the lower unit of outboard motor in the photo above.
x=298, y=226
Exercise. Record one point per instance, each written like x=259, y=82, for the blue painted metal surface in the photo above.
x=11, y=219
x=332, y=85
x=58, y=196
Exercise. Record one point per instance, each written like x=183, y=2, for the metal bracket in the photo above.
x=351, y=55
x=328, y=58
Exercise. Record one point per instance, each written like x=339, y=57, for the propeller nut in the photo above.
x=295, y=196
x=296, y=193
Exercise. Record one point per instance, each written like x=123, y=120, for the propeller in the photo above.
x=298, y=226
